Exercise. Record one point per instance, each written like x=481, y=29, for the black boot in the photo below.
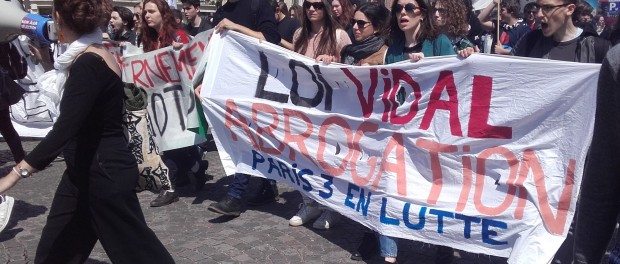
x=267, y=194
x=165, y=197
x=227, y=206
x=368, y=248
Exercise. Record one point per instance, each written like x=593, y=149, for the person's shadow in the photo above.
x=21, y=211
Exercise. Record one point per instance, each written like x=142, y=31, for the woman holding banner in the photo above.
x=369, y=24
x=320, y=37
x=412, y=32
x=159, y=30
x=413, y=36
x=96, y=197
x=453, y=22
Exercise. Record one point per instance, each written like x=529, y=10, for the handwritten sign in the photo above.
x=473, y=156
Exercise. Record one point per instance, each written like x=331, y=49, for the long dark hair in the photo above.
x=126, y=16
x=427, y=29
x=150, y=35
x=327, y=39
x=378, y=15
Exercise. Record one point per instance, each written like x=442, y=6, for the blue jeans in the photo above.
x=388, y=246
x=240, y=184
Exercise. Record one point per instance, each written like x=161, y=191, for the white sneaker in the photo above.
x=328, y=219
x=6, y=207
x=306, y=213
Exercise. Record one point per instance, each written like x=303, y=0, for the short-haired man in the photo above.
x=511, y=29
x=254, y=18
x=195, y=22
x=558, y=38
x=530, y=15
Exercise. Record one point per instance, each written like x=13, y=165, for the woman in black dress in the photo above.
x=95, y=199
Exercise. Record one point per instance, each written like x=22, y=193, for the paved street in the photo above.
x=193, y=234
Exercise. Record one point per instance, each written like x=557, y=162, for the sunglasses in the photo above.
x=360, y=23
x=317, y=5
x=408, y=7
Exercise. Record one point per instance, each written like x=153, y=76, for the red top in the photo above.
x=181, y=37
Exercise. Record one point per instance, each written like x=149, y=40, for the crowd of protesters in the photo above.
x=352, y=32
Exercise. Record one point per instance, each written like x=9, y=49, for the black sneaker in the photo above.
x=165, y=197
x=267, y=194
x=227, y=206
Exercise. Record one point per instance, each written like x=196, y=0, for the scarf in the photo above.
x=135, y=97
x=353, y=53
x=58, y=76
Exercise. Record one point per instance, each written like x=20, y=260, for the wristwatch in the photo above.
x=24, y=173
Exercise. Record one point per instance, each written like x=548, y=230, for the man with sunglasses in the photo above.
x=512, y=29
x=530, y=15
x=254, y=18
x=558, y=38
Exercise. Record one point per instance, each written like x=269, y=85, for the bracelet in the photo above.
x=16, y=172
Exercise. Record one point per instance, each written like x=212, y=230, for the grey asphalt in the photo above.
x=193, y=234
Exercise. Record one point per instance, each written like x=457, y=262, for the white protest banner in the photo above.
x=166, y=75
x=483, y=154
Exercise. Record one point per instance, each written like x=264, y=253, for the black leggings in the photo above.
x=10, y=135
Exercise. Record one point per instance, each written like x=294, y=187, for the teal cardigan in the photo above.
x=436, y=47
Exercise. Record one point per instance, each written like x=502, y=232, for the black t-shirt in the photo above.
x=204, y=26
x=536, y=45
x=287, y=27
x=564, y=51
x=240, y=12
